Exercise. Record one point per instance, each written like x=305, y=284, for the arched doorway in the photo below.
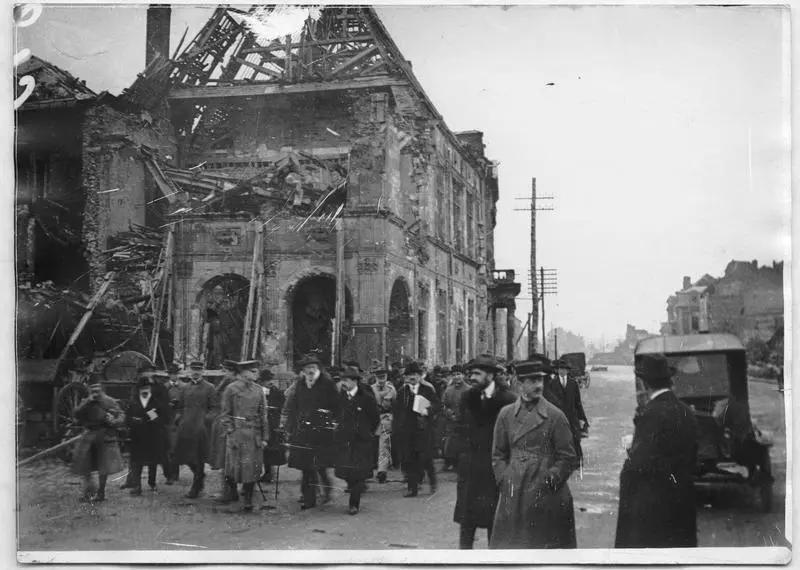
x=313, y=309
x=399, y=337
x=223, y=306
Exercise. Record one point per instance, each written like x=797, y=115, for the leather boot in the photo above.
x=229, y=492
x=247, y=494
x=197, y=486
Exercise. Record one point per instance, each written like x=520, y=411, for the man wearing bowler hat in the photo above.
x=197, y=407
x=656, y=489
x=415, y=410
x=244, y=420
x=532, y=458
x=311, y=409
x=479, y=406
x=563, y=391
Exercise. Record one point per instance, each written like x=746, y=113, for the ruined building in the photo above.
x=309, y=194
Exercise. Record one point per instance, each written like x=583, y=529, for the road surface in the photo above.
x=51, y=518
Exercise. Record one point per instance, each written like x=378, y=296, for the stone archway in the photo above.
x=223, y=306
x=312, y=308
x=399, y=337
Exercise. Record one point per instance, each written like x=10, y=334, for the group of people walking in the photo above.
x=512, y=435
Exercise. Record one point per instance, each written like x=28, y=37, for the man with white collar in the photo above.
x=656, y=488
x=477, y=413
x=414, y=413
x=146, y=418
x=563, y=391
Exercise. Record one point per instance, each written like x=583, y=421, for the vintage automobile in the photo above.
x=577, y=368
x=711, y=378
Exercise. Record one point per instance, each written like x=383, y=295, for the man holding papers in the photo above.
x=414, y=413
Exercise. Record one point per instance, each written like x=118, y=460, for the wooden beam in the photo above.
x=259, y=68
x=354, y=60
x=258, y=89
x=316, y=43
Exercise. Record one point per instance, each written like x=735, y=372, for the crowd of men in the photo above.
x=512, y=433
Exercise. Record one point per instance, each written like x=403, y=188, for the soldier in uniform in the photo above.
x=197, y=406
x=98, y=447
x=147, y=419
x=310, y=410
x=385, y=395
x=244, y=419
x=216, y=452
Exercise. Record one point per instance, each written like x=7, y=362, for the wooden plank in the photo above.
x=259, y=68
x=256, y=89
x=316, y=43
x=248, y=319
x=159, y=305
x=354, y=60
x=259, y=309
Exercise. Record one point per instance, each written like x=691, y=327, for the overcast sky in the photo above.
x=663, y=138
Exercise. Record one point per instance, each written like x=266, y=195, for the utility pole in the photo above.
x=533, y=316
x=548, y=285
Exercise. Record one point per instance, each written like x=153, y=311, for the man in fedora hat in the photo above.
x=479, y=406
x=197, y=407
x=563, y=391
x=311, y=408
x=244, y=420
x=656, y=489
x=532, y=458
x=415, y=411
x=146, y=418
x=98, y=447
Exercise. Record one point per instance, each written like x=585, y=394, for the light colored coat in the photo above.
x=244, y=419
x=529, y=446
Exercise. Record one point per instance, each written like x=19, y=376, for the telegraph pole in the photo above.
x=548, y=285
x=533, y=316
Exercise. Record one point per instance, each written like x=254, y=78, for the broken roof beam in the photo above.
x=223, y=92
x=353, y=60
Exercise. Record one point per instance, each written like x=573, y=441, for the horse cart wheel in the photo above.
x=67, y=399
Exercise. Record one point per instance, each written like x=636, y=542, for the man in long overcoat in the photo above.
x=98, y=447
x=414, y=425
x=310, y=412
x=198, y=405
x=532, y=457
x=452, y=442
x=385, y=395
x=146, y=418
x=174, y=386
x=656, y=489
x=218, y=435
x=356, y=423
x=477, y=493
x=244, y=419
x=563, y=391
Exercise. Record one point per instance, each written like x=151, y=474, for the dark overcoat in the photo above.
x=310, y=413
x=656, y=491
x=568, y=400
x=415, y=433
x=198, y=405
x=149, y=438
x=477, y=492
x=453, y=441
x=98, y=447
x=357, y=421
x=530, y=446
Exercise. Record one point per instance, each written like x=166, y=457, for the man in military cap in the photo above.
x=198, y=405
x=479, y=406
x=275, y=452
x=98, y=447
x=385, y=396
x=532, y=458
x=244, y=419
x=415, y=410
x=656, y=486
x=311, y=409
x=146, y=418
x=218, y=434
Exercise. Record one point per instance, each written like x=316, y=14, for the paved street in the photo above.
x=50, y=517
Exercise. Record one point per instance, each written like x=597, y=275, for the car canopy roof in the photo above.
x=672, y=344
